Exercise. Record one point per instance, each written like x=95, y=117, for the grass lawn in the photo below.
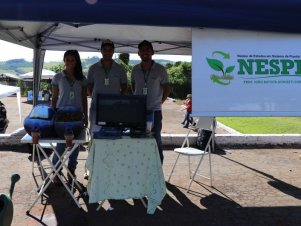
x=263, y=125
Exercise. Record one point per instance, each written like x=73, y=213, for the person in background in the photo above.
x=188, y=107
x=105, y=77
x=150, y=78
x=3, y=118
x=69, y=87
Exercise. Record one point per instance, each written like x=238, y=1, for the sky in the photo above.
x=10, y=51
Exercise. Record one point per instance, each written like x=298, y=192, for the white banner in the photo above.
x=245, y=73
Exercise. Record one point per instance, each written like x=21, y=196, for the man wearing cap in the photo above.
x=105, y=77
x=150, y=78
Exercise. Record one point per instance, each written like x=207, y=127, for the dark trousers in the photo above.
x=157, y=132
x=188, y=118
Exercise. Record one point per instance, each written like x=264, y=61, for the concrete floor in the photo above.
x=250, y=187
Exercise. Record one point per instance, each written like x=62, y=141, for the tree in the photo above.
x=180, y=78
x=168, y=66
x=124, y=57
x=57, y=68
x=23, y=87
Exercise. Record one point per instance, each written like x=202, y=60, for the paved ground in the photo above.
x=251, y=187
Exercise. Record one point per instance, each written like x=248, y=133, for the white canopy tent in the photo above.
x=42, y=36
x=46, y=25
x=6, y=91
x=88, y=37
x=46, y=74
x=8, y=75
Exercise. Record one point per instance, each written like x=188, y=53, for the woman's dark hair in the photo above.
x=78, y=70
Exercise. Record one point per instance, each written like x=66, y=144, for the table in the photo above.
x=47, y=177
x=125, y=168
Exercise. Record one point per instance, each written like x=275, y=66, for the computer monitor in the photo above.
x=121, y=111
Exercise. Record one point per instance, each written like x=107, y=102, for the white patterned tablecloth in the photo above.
x=125, y=168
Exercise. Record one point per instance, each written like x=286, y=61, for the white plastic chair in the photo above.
x=205, y=123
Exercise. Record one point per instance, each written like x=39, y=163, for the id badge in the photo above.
x=107, y=81
x=144, y=91
x=71, y=95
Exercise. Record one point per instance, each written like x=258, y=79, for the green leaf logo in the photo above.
x=215, y=64
x=224, y=76
x=230, y=69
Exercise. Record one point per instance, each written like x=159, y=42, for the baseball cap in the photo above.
x=145, y=43
x=189, y=96
x=107, y=42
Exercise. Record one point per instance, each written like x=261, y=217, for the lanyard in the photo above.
x=146, y=75
x=107, y=71
x=71, y=92
x=70, y=82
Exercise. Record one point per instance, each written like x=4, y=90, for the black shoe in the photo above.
x=182, y=123
x=185, y=127
x=72, y=171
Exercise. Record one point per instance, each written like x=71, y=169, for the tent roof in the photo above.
x=62, y=36
x=46, y=74
x=8, y=90
x=80, y=24
x=268, y=15
x=5, y=75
